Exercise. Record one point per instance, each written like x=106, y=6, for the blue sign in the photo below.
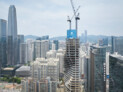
x=71, y=34
x=107, y=76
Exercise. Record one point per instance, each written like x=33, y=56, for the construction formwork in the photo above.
x=71, y=65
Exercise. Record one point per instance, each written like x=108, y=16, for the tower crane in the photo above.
x=74, y=15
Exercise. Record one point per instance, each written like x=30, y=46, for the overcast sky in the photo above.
x=48, y=17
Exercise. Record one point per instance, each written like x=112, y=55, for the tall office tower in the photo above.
x=71, y=63
x=97, y=69
x=41, y=48
x=3, y=56
x=85, y=36
x=44, y=48
x=23, y=53
x=103, y=42
x=43, y=38
x=37, y=49
x=115, y=72
x=56, y=42
x=20, y=40
x=82, y=38
x=12, y=36
x=30, y=50
x=117, y=44
x=84, y=66
x=112, y=44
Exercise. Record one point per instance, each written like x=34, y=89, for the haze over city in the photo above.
x=61, y=46
x=42, y=17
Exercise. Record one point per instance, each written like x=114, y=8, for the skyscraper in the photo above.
x=103, y=42
x=71, y=63
x=20, y=40
x=12, y=22
x=30, y=50
x=41, y=48
x=23, y=53
x=56, y=42
x=3, y=29
x=12, y=47
x=117, y=44
x=84, y=37
x=98, y=69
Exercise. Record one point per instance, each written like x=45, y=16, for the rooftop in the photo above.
x=24, y=68
x=8, y=68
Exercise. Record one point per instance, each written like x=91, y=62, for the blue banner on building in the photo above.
x=71, y=34
x=107, y=76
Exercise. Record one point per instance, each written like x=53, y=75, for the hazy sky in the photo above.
x=48, y=17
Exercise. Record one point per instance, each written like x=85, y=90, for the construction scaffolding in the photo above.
x=71, y=65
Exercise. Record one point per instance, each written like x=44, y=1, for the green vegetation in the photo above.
x=62, y=80
x=11, y=79
x=28, y=63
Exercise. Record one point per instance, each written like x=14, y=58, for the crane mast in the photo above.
x=74, y=15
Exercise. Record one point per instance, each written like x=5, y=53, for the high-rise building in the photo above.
x=53, y=46
x=43, y=85
x=44, y=48
x=41, y=68
x=53, y=69
x=117, y=44
x=23, y=53
x=60, y=56
x=71, y=63
x=103, y=42
x=97, y=69
x=20, y=40
x=30, y=50
x=41, y=48
x=84, y=37
x=43, y=38
x=3, y=56
x=115, y=72
x=12, y=46
x=56, y=42
x=37, y=49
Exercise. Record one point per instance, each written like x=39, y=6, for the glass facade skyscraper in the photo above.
x=117, y=44
x=12, y=41
x=115, y=73
x=3, y=56
x=98, y=69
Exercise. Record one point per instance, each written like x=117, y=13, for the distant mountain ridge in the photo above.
x=90, y=38
x=33, y=37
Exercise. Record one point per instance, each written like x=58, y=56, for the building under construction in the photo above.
x=71, y=64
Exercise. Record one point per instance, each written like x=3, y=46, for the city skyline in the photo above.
x=55, y=55
x=46, y=17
